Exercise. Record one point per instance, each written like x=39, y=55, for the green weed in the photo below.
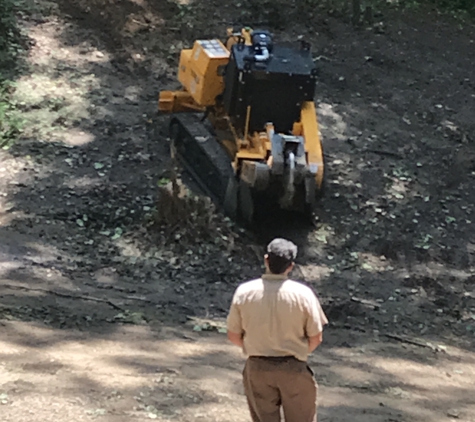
x=11, y=122
x=11, y=48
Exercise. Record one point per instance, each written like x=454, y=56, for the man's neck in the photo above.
x=272, y=276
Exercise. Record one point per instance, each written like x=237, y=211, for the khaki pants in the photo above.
x=270, y=383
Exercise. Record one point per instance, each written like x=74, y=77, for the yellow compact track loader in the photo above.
x=244, y=123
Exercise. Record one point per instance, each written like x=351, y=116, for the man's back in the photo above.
x=277, y=316
x=277, y=322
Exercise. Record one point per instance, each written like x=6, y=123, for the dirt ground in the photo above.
x=103, y=316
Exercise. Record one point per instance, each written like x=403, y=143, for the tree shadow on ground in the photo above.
x=135, y=372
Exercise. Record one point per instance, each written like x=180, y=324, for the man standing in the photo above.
x=277, y=322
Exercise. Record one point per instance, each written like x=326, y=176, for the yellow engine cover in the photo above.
x=198, y=70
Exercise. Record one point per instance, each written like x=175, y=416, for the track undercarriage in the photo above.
x=247, y=198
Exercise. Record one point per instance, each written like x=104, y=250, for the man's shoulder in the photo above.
x=246, y=286
x=300, y=288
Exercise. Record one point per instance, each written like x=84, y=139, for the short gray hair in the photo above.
x=282, y=254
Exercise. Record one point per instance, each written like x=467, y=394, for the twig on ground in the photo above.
x=143, y=24
x=349, y=266
x=384, y=152
x=415, y=342
x=318, y=58
x=366, y=302
x=65, y=295
x=142, y=299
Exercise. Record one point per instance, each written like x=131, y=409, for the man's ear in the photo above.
x=266, y=261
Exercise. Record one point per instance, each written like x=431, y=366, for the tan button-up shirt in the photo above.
x=276, y=316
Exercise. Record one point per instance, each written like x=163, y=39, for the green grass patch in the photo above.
x=12, y=45
x=11, y=122
x=457, y=6
x=10, y=36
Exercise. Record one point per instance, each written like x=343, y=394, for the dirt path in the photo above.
x=138, y=373
x=95, y=304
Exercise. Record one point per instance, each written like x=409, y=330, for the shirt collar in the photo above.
x=274, y=277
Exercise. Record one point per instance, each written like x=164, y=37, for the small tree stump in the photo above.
x=356, y=12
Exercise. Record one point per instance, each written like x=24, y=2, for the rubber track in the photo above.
x=203, y=156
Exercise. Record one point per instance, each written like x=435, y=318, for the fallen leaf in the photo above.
x=321, y=238
x=3, y=398
x=117, y=233
x=453, y=413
